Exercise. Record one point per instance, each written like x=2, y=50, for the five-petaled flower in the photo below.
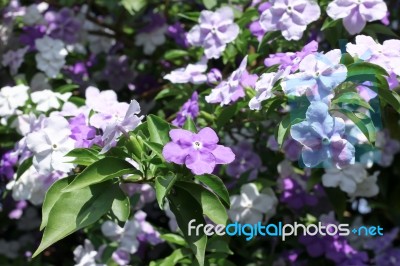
x=322, y=138
x=199, y=152
x=215, y=30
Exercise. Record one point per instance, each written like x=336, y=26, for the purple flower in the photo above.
x=290, y=16
x=121, y=257
x=177, y=32
x=246, y=160
x=214, y=76
x=255, y=27
x=230, y=90
x=7, y=163
x=81, y=131
x=294, y=195
x=355, y=13
x=291, y=59
x=379, y=244
x=390, y=257
x=321, y=137
x=117, y=72
x=64, y=25
x=215, y=30
x=14, y=59
x=30, y=34
x=199, y=152
x=189, y=109
x=193, y=73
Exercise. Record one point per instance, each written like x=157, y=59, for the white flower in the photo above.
x=46, y=100
x=264, y=88
x=193, y=73
x=30, y=186
x=251, y=205
x=86, y=255
x=11, y=98
x=51, y=56
x=121, y=125
x=126, y=237
x=352, y=179
x=33, y=14
x=367, y=188
x=50, y=144
x=150, y=40
x=14, y=59
x=98, y=100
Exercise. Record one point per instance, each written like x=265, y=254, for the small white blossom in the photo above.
x=11, y=98
x=193, y=73
x=51, y=56
x=126, y=236
x=352, y=179
x=86, y=255
x=251, y=205
x=46, y=100
x=33, y=14
x=50, y=144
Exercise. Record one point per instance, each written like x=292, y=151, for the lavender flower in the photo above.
x=193, y=73
x=214, y=76
x=321, y=137
x=291, y=17
x=215, y=30
x=14, y=59
x=117, y=72
x=355, y=13
x=81, y=132
x=152, y=35
x=255, y=27
x=177, y=32
x=231, y=90
x=246, y=160
x=189, y=109
x=291, y=59
x=30, y=34
x=199, y=152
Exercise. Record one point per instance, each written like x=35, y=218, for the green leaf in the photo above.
x=52, y=195
x=329, y=23
x=380, y=29
x=217, y=186
x=216, y=244
x=283, y=130
x=75, y=210
x=267, y=37
x=83, y=156
x=186, y=208
x=174, y=239
x=155, y=147
x=193, y=16
x=163, y=185
x=133, y=6
x=363, y=122
x=363, y=69
x=209, y=4
x=387, y=95
x=121, y=206
x=67, y=88
x=226, y=115
x=25, y=165
x=173, y=54
x=101, y=171
x=172, y=259
x=190, y=125
x=210, y=203
x=352, y=98
x=158, y=129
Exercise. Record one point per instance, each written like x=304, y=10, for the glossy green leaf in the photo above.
x=210, y=203
x=163, y=185
x=210, y=4
x=52, y=195
x=75, y=210
x=352, y=98
x=190, y=125
x=101, y=171
x=133, y=6
x=363, y=69
x=155, y=147
x=25, y=165
x=173, y=54
x=217, y=186
x=121, y=207
x=83, y=156
x=362, y=121
x=283, y=130
x=174, y=239
x=186, y=208
x=158, y=129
